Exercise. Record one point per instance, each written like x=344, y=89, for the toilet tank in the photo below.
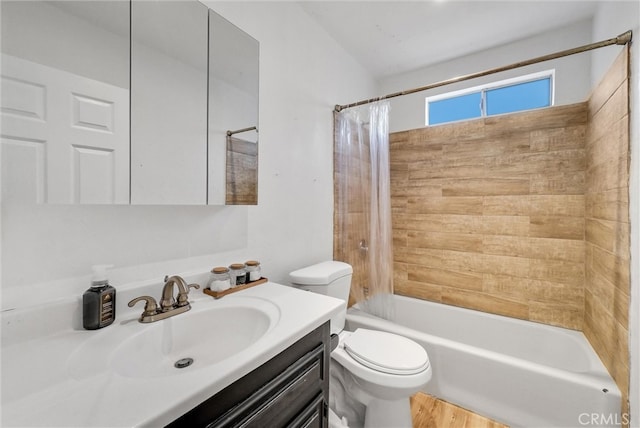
x=331, y=278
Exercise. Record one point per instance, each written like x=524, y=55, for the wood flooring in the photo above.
x=429, y=412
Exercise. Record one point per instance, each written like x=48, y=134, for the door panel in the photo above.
x=82, y=125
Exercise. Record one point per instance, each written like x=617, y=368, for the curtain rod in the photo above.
x=622, y=39
x=251, y=128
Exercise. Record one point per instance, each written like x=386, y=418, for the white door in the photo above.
x=65, y=138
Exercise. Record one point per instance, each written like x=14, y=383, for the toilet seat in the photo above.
x=386, y=352
x=372, y=374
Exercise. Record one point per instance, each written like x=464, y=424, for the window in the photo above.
x=507, y=96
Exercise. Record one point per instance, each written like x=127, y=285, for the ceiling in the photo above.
x=393, y=37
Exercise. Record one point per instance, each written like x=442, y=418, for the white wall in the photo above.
x=611, y=19
x=48, y=250
x=573, y=80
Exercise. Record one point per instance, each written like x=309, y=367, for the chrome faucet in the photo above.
x=168, y=305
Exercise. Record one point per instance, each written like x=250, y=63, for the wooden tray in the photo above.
x=219, y=294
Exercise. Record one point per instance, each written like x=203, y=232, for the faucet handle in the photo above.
x=150, y=307
x=183, y=296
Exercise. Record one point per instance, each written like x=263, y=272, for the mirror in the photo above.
x=233, y=114
x=65, y=101
x=169, y=102
x=142, y=102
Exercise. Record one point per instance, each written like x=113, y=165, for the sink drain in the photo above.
x=183, y=362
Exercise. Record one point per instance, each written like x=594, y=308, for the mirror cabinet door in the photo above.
x=169, y=102
x=233, y=114
x=65, y=102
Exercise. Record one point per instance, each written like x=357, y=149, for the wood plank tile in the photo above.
x=460, y=280
x=601, y=233
x=485, y=302
x=430, y=412
x=420, y=290
x=538, y=163
x=621, y=308
x=504, y=225
x=610, y=266
x=608, y=175
x=439, y=222
x=423, y=188
x=558, y=314
x=616, y=76
x=558, y=183
x=467, y=242
x=612, y=144
x=601, y=289
x=451, y=205
x=556, y=205
x=426, y=257
x=556, y=227
x=505, y=265
x=485, y=187
x=535, y=205
x=482, y=147
x=566, y=137
x=557, y=271
x=534, y=290
x=534, y=248
x=616, y=107
x=608, y=205
x=417, y=153
x=556, y=117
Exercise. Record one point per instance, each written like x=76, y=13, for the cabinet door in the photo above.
x=169, y=43
x=233, y=114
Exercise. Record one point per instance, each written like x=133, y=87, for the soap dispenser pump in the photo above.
x=99, y=301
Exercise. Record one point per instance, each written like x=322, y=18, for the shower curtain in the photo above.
x=363, y=205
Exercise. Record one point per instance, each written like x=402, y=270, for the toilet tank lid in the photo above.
x=321, y=274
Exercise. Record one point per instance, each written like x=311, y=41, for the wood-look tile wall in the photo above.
x=607, y=265
x=489, y=214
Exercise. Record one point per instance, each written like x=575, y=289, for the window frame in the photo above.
x=540, y=75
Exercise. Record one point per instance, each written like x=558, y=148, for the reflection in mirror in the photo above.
x=169, y=102
x=233, y=114
x=65, y=101
x=241, y=169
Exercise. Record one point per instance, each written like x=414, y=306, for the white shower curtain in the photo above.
x=364, y=204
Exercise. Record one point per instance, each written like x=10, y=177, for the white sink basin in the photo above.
x=196, y=339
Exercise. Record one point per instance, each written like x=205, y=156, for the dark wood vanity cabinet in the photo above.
x=290, y=390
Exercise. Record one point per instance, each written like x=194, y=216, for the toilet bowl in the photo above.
x=381, y=370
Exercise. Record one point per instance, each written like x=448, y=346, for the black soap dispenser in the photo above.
x=99, y=301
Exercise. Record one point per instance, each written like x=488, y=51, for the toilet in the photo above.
x=381, y=370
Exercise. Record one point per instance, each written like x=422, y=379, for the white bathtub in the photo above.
x=521, y=373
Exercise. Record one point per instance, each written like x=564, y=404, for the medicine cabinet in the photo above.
x=109, y=102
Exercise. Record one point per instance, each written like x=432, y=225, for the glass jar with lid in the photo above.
x=237, y=274
x=219, y=279
x=253, y=270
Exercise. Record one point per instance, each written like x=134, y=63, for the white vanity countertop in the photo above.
x=46, y=382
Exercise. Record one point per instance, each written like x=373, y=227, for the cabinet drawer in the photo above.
x=311, y=417
x=277, y=402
